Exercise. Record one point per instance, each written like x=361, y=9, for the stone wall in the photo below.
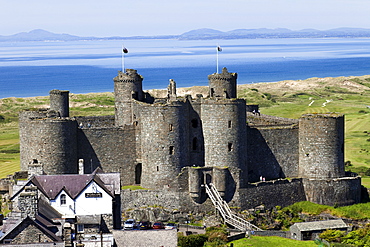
x=272, y=152
x=112, y=149
x=272, y=193
x=335, y=192
x=95, y=122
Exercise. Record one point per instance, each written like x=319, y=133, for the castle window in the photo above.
x=63, y=199
x=138, y=171
x=194, y=123
x=195, y=144
x=171, y=127
x=229, y=147
x=172, y=150
x=229, y=124
x=157, y=168
x=136, y=123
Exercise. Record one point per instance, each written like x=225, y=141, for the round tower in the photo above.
x=50, y=142
x=223, y=85
x=164, y=143
x=127, y=87
x=321, y=146
x=59, y=102
x=224, y=130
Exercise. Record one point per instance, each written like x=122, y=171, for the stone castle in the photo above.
x=172, y=146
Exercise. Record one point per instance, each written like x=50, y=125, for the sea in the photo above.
x=34, y=68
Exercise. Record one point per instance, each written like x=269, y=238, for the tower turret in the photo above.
x=321, y=146
x=127, y=87
x=59, y=102
x=222, y=85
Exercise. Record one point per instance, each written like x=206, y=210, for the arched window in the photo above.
x=63, y=199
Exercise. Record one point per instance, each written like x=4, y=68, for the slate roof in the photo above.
x=28, y=221
x=73, y=185
x=319, y=225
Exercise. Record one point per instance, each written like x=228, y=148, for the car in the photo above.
x=170, y=226
x=158, y=225
x=129, y=224
x=144, y=225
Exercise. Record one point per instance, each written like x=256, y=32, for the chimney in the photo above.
x=80, y=166
x=27, y=202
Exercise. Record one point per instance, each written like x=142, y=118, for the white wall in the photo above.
x=83, y=205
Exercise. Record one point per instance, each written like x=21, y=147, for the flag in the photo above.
x=219, y=48
x=124, y=50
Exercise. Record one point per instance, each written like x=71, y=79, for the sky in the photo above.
x=165, y=17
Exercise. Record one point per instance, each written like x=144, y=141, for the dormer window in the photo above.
x=63, y=199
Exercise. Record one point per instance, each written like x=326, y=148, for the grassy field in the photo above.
x=291, y=99
x=259, y=241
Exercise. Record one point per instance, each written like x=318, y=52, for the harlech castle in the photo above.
x=172, y=146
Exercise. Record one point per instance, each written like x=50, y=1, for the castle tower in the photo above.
x=59, y=102
x=223, y=85
x=50, y=142
x=224, y=130
x=164, y=143
x=321, y=146
x=127, y=87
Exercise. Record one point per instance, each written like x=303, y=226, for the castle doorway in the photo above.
x=138, y=170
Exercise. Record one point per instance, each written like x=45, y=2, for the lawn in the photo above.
x=259, y=241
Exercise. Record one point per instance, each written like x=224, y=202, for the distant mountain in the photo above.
x=39, y=35
x=201, y=34
x=275, y=33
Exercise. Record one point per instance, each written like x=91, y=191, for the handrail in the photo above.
x=225, y=211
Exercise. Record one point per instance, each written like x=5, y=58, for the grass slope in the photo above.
x=259, y=241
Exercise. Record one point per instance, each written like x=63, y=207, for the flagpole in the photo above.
x=217, y=59
x=123, y=59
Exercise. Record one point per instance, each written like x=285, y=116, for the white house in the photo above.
x=77, y=194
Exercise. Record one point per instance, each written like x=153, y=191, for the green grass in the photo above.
x=259, y=241
x=360, y=211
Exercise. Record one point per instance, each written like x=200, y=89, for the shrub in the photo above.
x=197, y=240
x=332, y=235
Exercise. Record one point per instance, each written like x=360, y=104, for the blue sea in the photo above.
x=34, y=68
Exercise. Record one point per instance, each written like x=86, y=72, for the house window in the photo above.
x=80, y=228
x=63, y=199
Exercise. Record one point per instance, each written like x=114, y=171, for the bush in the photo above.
x=332, y=235
x=197, y=240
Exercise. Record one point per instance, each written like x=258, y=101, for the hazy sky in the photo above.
x=156, y=17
